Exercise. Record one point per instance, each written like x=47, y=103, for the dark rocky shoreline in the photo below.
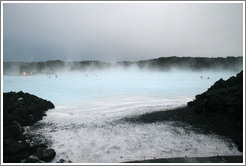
x=219, y=110
x=20, y=110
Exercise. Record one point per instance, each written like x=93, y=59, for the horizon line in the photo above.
x=122, y=60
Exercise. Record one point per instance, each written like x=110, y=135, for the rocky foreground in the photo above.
x=219, y=110
x=19, y=110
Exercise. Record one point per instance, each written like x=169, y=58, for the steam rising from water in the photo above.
x=85, y=127
x=79, y=87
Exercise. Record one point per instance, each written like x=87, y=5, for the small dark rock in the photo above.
x=63, y=161
x=45, y=154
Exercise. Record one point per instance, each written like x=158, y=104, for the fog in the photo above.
x=120, y=31
x=161, y=64
x=85, y=125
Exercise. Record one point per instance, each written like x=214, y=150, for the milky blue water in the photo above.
x=80, y=87
x=84, y=125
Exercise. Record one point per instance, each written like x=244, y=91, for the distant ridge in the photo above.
x=162, y=63
x=194, y=63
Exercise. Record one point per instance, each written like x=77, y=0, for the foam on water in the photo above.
x=85, y=126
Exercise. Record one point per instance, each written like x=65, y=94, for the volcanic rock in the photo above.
x=45, y=154
x=21, y=109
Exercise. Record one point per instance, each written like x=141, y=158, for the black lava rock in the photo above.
x=21, y=109
x=63, y=161
x=24, y=108
x=223, y=96
x=222, y=104
x=45, y=154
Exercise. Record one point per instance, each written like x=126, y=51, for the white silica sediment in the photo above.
x=98, y=136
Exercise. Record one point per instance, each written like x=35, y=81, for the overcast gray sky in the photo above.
x=120, y=31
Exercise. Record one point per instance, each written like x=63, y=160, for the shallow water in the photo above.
x=85, y=126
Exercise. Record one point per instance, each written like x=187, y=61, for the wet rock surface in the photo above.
x=19, y=110
x=219, y=110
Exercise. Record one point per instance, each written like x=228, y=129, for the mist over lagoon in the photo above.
x=79, y=86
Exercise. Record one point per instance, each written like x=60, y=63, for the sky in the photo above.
x=120, y=31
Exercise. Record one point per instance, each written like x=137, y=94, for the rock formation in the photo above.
x=223, y=102
x=19, y=110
